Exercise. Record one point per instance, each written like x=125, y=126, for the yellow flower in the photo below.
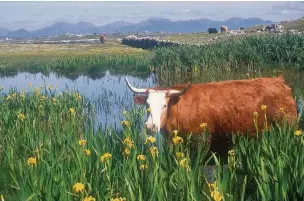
x=42, y=98
x=149, y=110
x=126, y=152
x=298, y=132
x=142, y=167
x=54, y=100
x=141, y=157
x=177, y=140
x=264, y=107
x=154, y=151
x=31, y=161
x=216, y=196
x=150, y=139
x=78, y=187
x=184, y=163
x=231, y=152
x=212, y=186
x=105, y=157
x=82, y=142
x=129, y=142
x=179, y=155
x=21, y=116
x=255, y=114
x=175, y=132
x=282, y=109
x=87, y=152
x=77, y=96
x=14, y=95
x=203, y=125
x=125, y=123
x=90, y=198
x=72, y=110
x=118, y=199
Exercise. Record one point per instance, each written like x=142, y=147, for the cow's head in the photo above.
x=158, y=101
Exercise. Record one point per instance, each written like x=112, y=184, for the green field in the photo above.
x=50, y=148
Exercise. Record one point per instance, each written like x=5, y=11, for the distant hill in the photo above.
x=115, y=26
x=19, y=33
x=187, y=26
x=4, y=32
x=150, y=25
x=63, y=28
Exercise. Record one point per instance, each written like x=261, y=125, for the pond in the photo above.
x=111, y=93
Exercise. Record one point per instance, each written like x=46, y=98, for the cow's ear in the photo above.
x=140, y=99
x=173, y=100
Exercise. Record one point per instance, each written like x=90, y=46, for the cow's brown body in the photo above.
x=228, y=106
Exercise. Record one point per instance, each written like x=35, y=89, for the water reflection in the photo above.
x=73, y=76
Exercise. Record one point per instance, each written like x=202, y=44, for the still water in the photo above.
x=109, y=92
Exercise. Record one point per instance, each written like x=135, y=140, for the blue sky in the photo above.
x=34, y=15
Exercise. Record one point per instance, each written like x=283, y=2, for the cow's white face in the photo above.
x=157, y=101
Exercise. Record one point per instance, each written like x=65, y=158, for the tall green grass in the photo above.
x=50, y=127
x=86, y=64
x=267, y=168
x=245, y=53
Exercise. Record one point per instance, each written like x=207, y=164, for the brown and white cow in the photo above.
x=226, y=107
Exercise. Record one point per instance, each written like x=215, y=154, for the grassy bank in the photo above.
x=245, y=53
x=72, y=58
x=49, y=150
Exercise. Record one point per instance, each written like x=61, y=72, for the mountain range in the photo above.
x=150, y=25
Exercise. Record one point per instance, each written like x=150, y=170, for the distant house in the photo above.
x=212, y=30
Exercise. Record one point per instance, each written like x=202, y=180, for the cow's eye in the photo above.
x=165, y=106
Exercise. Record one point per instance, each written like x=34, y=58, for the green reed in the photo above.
x=244, y=53
x=88, y=64
x=42, y=155
x=48, y=144
x=267, y=168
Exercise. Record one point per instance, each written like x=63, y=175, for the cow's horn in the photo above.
x=177, y=92
x=134, y=89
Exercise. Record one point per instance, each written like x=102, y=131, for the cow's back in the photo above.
x=228, y=106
